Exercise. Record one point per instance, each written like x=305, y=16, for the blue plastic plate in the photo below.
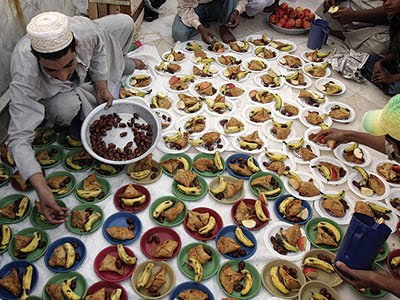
x=190, y=285
x=230, y=232
x=81, y=250
x=119, y=219
x=20, y=266
x=236, y=156
x=305, y=204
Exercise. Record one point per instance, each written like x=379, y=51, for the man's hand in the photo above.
x=344, y=16
x=234, y=20
x=53, y=213
x=383, y=76
x=102, y=93
x=139, y=64
x=362, y=278
x=206, y=35
x=328, y=4
x=337, y=135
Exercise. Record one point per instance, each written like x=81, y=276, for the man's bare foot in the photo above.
x=338, y=34
x=226, y=34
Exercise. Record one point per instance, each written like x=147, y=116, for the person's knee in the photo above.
x=126, y=22
x=62, y=108
x=180, y=32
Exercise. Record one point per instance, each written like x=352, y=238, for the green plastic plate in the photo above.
x=38, y=252
x=209, y=269
x=57, y=156
x=73, y=153
x=95, y=226
x=255, y=189
x=52, y=138
x=62, y=140
x=81, y=284
x=208, y=173
x=168, y=156
x=119, y=169
x=179, y=219
x=34, y=217
x=10, y=199
x=311, y=232
x=8, y=171
x=382, y=257
x=71, y=185
x=185, y=197
x=105, y=186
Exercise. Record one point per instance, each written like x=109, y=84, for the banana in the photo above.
x=331, y=228
x=23, y=206
x=221, y=187
x=252, y=166
x=173, y=138
x=278, y=102
x=321, y=54
x=189, y=190
x=332, y=10
x=92, y=219
x=295, y=145
x=209, y=227
x=325, y=171
x=89, y=194
x=134, y=201
x=364, y=174
x=395, y=261
x=379, y=208
x=61, y=191
x=249, y=145
x=220, y=105
x=248, y=282
x=337, y=196
x=67, y=291
x=140, y=174
x=282, y=125
x=254, y=111
x=285, y=203
x=319, y=264
x=273, y=273
x=318, y=296
x=70, y=163
x=218, y=161
x=286, y=48
x=145, y=276
x=287, y=245
x=198, y=269
x=196, y=143
x=351, y=147
x=5, y=236
x=190, y=122
x=272, y=192
x=70, y=255
x=127, y=259
x=162, y=207
x=233, y=129
x=34, y=243
x=243, y=238
x=72, y=141
x=185, y=163
x=275, y=156
x=27, y=281
x=193, y=108
x=260, y=212
x=293, y=175
x=292, y=76
x=116, y=294
x=242, y=74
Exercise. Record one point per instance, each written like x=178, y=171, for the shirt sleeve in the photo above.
x=26, y=113
x=241, y=6
x=186, y=10
x=98, y=69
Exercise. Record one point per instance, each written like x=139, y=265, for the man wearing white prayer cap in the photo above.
x=61, y=70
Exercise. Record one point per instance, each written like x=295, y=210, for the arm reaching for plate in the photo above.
x=339, y=136
x=54, y=213
x=369, y=278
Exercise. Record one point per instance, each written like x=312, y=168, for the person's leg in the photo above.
x=221, y=11
x=121, y=27
x=368, y=67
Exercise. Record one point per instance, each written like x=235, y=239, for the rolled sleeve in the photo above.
x=241, y=6
x=98, y=69
x=186, y=10
x=25, y=115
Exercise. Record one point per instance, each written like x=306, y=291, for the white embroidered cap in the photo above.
x=49, y=32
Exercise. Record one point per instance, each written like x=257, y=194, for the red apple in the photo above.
x=280, y=13
x=273, y=19
x=306, y=11
x=299, y=9
x=306, y=24
x=292, y=13
x=300, y=15
x=282, y=20
x=298, y=23
x=280, y=23
x=173, y=80
x=291, y=22
x=286, y=17
x=287, y=25
x=284, y=6
x=310, y=17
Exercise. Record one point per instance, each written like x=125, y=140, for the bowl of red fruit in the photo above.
x=289, y=20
